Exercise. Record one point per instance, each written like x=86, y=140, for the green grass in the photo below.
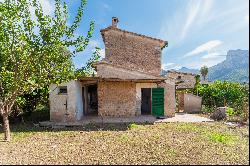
x=133, y=126
x=223, y=138
x=171, y=143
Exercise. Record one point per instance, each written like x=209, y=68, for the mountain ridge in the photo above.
x=234, y=68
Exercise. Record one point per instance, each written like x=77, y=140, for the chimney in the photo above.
x=114, y=22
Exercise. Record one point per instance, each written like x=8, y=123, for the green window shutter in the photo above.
x=158, y=101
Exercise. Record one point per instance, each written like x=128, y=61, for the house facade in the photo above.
x=127, y=84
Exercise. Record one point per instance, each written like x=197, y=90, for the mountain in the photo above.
x=187, y=70
x=235, y=68
x=183, y=69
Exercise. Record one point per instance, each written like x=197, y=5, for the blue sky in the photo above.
x=199, y=32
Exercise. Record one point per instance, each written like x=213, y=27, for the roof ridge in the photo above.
x=180, y=72
x=134, y=33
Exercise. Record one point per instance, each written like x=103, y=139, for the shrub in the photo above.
x=230, y=111
x=133, y=126
x=224, y=93
x=206, y=110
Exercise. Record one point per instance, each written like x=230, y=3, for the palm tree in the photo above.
x=204, y=72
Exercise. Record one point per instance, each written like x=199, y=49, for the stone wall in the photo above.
x=139, y=86
x=116, y=99
x=180, y=96
x=133, y=52
x=169, y=98
x=187, y=78
x=58, y=111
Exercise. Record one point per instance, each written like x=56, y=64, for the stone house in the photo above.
x=183, y=80
x=186, y=102
x=127, y=82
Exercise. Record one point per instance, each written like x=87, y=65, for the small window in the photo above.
x=179, y=77
x=62, y=90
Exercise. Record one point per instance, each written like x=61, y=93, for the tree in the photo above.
x=204, y=72
x=35, y=49
x=197, y=84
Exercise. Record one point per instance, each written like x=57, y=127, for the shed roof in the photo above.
x=179, y=72
x=110, y=70
x=120, y=80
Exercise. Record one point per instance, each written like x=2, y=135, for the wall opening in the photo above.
x=90, y=100
x=146, y=101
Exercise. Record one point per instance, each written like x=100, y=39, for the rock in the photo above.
x=232, y=124
x=219, y=114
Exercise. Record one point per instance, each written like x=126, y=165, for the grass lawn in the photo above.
x=172, y=143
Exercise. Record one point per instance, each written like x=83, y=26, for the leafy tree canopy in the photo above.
x=35, y=48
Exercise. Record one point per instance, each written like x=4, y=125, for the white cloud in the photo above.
x=102, y=53
x=204, y=47
x=192, y=13
x=48, y=6
x=94, y=43
x=169, y=66
x=165, y=66
x=208, y=60
x=214, y=55
x=186, y=18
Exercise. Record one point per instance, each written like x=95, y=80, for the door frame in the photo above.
x=150, y=98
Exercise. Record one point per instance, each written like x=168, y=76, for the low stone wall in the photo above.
x=116, y=99
x=180, y=96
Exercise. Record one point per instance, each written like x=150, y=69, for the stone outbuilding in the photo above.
x=127, y=82
x=187, y=102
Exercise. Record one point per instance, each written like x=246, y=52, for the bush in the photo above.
x=207, y=110
x=230, y=112
x=41, y=113
x=133, y=126
x=224, y=94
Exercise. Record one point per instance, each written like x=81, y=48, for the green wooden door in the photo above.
x=158, y=101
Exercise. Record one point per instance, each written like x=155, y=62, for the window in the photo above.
x=179, y=77
x=62, y=90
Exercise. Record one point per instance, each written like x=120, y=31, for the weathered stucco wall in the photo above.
x=133, y=52
x=58, y=111
x=192, y=103
x=116, y=99
x=139, y=86
x=169, y=98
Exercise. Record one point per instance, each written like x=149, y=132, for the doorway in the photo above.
x=90, y=100
x=146, y=101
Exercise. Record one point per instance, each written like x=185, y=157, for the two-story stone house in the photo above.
x=127, y=84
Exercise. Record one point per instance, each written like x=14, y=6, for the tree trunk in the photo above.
x=6, y=127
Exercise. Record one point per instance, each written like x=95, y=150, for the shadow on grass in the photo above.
x=30, y=128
